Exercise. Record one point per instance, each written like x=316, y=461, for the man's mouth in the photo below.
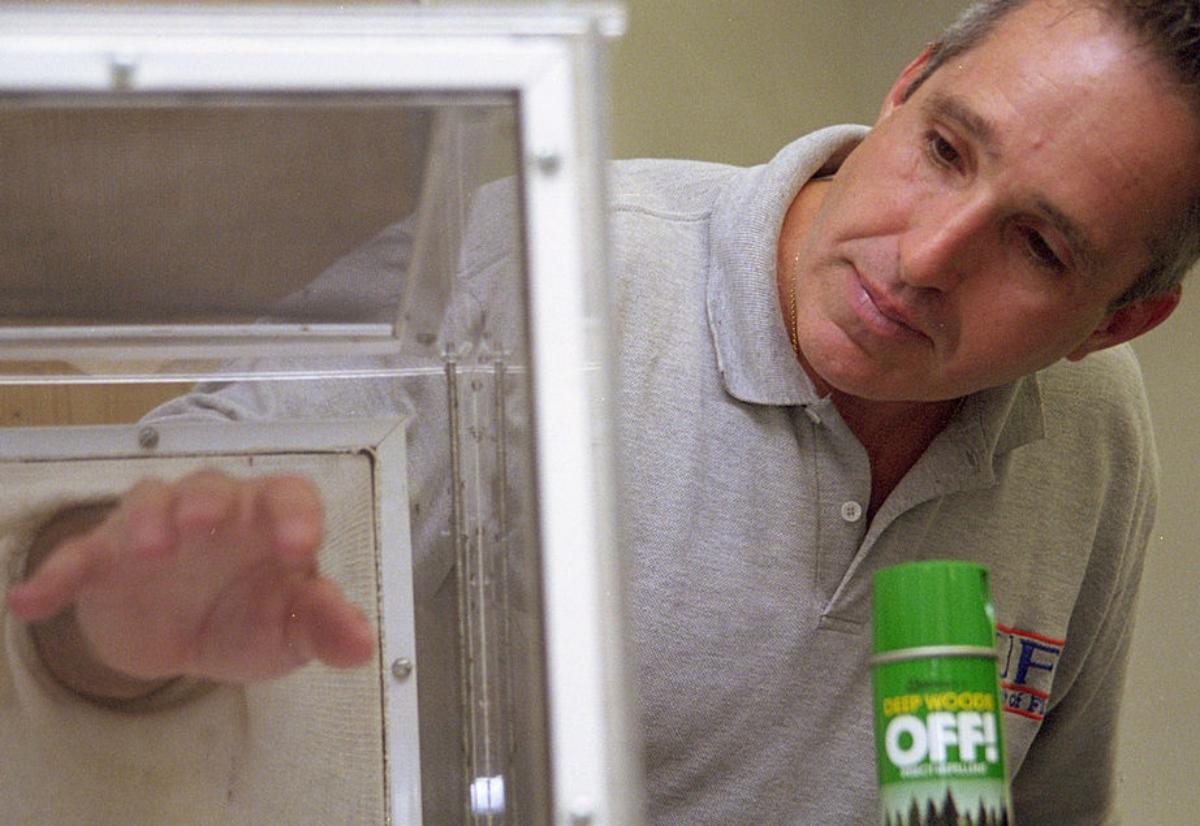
x=881, y=315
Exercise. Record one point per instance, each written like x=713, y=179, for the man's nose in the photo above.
x=945, y=242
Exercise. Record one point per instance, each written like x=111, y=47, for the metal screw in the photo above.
x=402, y=669
x=120, y=69
x=148, y=438
x=547, y=161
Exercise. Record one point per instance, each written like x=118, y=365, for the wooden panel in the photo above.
x=37, y=405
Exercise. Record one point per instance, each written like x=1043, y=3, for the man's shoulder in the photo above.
x=668, y=189
x=1103, y=393
x=1113, y=372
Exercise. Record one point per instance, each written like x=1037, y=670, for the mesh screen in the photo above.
x=311, y=749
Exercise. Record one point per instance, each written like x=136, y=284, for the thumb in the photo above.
x=56, y=582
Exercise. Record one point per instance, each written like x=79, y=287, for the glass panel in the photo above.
x=176, y=213
x=307, y=212
x=179, y=221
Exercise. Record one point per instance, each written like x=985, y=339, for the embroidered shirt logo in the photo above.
x=1027, y=663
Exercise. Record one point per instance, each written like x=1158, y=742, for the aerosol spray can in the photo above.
x=939, y=747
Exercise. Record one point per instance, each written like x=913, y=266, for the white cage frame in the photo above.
x=549, y=59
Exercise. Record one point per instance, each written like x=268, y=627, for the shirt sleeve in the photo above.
x=1068, y=776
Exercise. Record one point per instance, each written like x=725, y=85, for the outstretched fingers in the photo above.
x=323, y=625
x=204, y=502
x=142, y=526
x=292, y=508
x=58, y=580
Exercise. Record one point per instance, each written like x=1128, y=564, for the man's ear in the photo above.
x=899, y=90
x=1129, y=322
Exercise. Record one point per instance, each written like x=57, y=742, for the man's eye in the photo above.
x=1040, y=252
x=942, y=150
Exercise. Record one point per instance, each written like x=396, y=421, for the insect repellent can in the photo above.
x=938, y=740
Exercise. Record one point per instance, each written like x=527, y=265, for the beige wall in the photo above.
x=731, y=80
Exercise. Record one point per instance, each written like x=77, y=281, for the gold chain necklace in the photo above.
x=793, y=312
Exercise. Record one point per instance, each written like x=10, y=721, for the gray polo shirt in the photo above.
x=751, y=557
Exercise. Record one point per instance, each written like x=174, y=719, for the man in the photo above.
x=849, y=357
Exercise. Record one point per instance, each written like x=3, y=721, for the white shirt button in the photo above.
x=851, y=511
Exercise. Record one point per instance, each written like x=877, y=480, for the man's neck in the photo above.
x=894, y=435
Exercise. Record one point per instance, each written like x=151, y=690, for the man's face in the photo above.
x=985, y=226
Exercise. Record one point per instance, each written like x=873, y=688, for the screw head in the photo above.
x=402, y=669
x=120, y=69
x=547, y=161
x=148, y=438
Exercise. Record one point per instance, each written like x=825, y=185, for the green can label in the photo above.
x=939, y=743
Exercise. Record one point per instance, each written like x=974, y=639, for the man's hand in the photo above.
x=209, y=577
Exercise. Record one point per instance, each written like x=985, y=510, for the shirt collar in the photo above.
x=754, y=353
x=994, y=421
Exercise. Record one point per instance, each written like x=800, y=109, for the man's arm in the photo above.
x=210, y=577
x=1069, y=775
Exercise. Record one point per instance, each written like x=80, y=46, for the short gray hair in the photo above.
x=1167, y=29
